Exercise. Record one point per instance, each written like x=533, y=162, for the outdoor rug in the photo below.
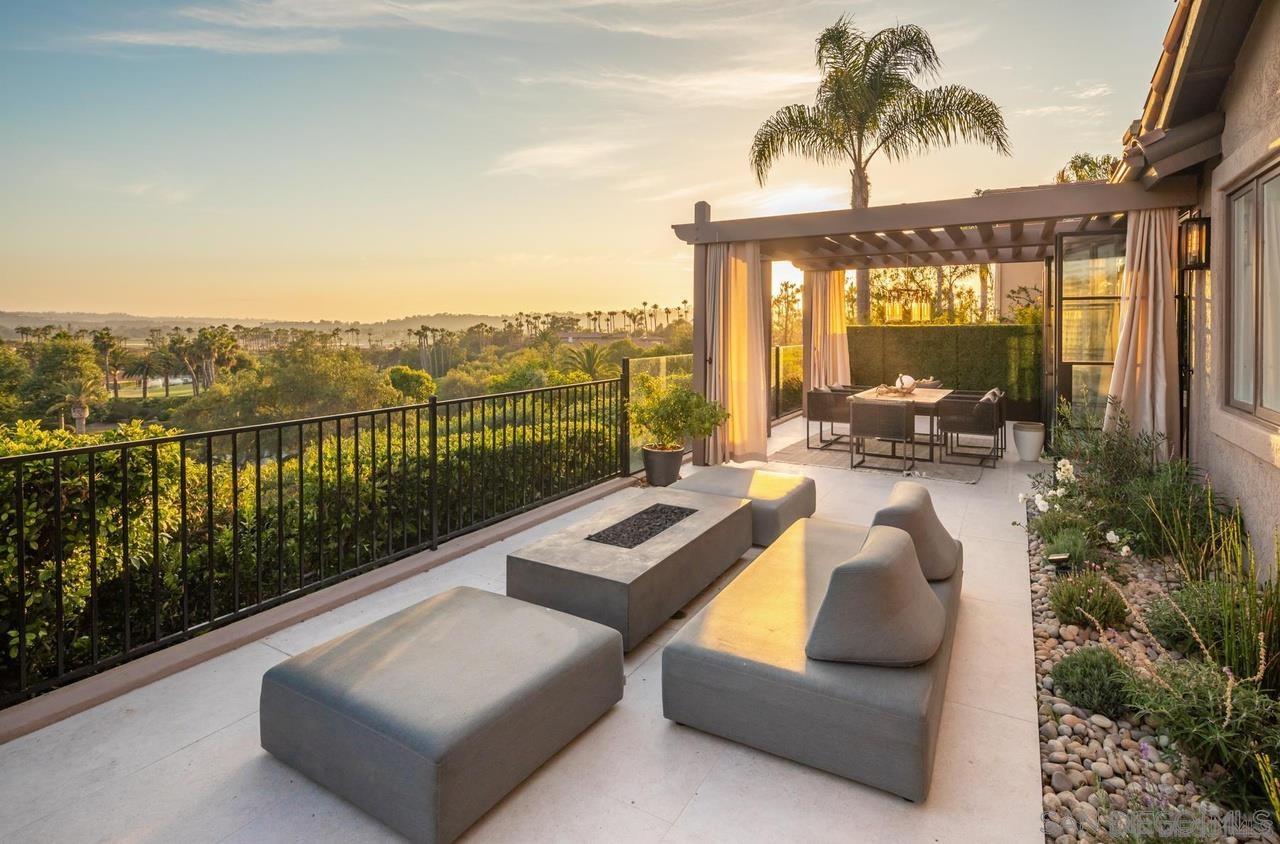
x=879, y=460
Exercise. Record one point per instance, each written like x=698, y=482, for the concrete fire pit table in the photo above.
x=681, y=541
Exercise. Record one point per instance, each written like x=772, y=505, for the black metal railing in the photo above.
x=111, y=551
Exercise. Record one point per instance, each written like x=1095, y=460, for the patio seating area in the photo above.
x=180, y=758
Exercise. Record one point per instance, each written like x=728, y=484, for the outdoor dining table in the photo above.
x=926, y=400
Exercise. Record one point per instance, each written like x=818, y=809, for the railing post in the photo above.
x=624, y=423
x=432, y=471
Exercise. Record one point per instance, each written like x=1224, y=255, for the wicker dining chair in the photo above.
x=893, y=422
x=829, y=406
x=980, y=416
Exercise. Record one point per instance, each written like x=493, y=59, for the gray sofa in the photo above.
x=739, y=669
x=428, y=717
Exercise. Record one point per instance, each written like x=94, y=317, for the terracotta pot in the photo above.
x=662, y=466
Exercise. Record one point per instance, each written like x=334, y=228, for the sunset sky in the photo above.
x=366, y=159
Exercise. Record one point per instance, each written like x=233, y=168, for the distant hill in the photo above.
x=137, y=327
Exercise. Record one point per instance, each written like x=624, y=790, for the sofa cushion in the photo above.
x=777, y=498
x=911, y=509
x=879, y=609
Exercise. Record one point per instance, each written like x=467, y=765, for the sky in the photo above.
x=370, y=159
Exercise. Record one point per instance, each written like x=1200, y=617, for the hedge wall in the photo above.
x=964, y=357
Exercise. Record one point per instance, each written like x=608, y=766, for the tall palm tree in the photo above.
x=77, y=395
x=868, y=102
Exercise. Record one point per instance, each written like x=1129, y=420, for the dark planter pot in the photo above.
x=661, y=467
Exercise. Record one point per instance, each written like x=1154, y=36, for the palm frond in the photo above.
x=901, y=53
x=940, y=117
x=796, y=130
x=840, y=46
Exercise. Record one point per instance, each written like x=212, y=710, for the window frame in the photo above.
x=1253, y=183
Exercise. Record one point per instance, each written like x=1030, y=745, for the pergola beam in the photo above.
x=1025, y=205
x=968, y=242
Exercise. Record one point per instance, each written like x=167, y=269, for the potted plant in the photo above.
x=665, y=415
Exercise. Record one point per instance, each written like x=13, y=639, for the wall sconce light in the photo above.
x=1193, y=244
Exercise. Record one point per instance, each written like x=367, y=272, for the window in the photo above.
x=1253, y=344
x=1091, y=268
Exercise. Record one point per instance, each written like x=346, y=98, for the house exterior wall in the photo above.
x=1006, y=277
x=1241, y=454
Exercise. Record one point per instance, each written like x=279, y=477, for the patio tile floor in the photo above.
x=179, y=759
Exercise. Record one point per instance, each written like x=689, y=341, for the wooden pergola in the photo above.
x=998, y=226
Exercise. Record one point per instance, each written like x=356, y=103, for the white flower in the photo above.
x=1022, y=498
x=1041, y=504
x=1126, y=551
x=1112, y=538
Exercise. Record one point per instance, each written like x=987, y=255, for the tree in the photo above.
x=591, y=359
x=1087, y=167
x=59, y=360
x=786, y=304
x=415, y=385
x=868, y=102
x=13, y=374
x=106, y=344
x=77, y=396
x=305, y=378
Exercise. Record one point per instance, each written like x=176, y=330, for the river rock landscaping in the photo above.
x=1155, y=650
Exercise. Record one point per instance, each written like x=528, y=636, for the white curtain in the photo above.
x=826, y=349
x=736, y=354
x=1144, y=380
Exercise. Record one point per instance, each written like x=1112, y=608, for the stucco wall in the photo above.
x=1005, y=277
x=1240, y=454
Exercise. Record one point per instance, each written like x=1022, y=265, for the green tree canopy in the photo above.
x=304, y=378
x=60, y=360
x=416, y=385
x=1087, y=167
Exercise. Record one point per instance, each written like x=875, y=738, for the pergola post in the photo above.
x=701, y=214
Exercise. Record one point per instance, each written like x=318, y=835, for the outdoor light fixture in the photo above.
x=1193, y=244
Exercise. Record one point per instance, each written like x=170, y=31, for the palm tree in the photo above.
x=868, y=102
x=77, y=395
x=1087, y=167
x=106, y=343
x=591, y=359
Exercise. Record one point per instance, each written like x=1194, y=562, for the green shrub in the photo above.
x=1190, y=701
x=667, y=414
x=1086, y=593
x=1093, y=678
x=1050, y=524
x=1069, y=541
x=1201, y=604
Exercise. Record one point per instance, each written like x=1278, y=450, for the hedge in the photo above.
x=964, y=357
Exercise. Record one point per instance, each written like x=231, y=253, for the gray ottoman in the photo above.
x=777, y=498
x=429, y=717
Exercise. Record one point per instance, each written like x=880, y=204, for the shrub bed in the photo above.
x=1168, y=716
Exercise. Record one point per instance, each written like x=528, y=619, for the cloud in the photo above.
x=681, y=19
x=791, y=199
x=221, y=42
x=576, y=158
x=1088, y=91
x=722, y=86
x=162, y=193
x=1070, y=113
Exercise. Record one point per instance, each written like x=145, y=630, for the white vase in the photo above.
x=1028, y=438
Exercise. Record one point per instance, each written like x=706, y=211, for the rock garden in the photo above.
x=1157, y=643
